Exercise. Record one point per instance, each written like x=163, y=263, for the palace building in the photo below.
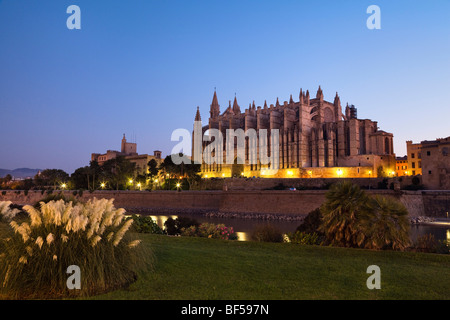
x=316, y=140
x=129, y=151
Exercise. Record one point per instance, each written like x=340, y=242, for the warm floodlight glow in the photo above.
x=103, y=185
x=339, y=172
x=178, y=185
x=290, y=173
x=63, y=186
x=130, y=181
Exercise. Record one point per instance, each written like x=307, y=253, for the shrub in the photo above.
x=3, y=192
x=143, y=224
x=341, y=212
x=92, y=236
x=352, y=219
x=266, y=233
x=311, y=223
x=383, y=184
x=385, y=224
x=210, y=230
x=174, y=226
x=304, y=238
x=415, y=181
x=428, y=243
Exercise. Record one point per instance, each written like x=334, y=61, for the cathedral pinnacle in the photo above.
x=197, y=115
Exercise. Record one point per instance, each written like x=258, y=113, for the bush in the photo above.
x=311, y=223
x=304, y=238
x=210, y=230
x=383, y=184
x=143, y=224
x=266, y=233
x=174, y=227
x=3, y=193
x=428, y=243
x=415, y=181
x=92, y=236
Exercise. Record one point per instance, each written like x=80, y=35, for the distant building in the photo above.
x=129, y=151
x=414, y=155
x=436, y=164
x=401, y=166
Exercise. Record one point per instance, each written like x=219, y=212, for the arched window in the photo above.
x=386, y=146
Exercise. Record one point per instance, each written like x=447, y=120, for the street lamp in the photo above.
x=63, y=186
x=103, y=185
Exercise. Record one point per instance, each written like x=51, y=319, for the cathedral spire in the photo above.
x=215, y=107
x=337, y=108
x=301, y=97
x=197, y=115
x=236, y=108
x=319, y=94
x=291, y=100
x=278, y=103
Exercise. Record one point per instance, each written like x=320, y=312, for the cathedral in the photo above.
x=315, y=139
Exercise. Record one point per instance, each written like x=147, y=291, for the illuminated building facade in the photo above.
x=316, y=140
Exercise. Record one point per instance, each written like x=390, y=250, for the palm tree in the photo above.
x=341, y=212
x=386, y=225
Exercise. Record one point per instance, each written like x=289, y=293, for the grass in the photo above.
x=188, y=268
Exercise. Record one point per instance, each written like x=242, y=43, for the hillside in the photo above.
x=19, y=173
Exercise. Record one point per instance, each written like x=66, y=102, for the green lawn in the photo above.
x=198, y=268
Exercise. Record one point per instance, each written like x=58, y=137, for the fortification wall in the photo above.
x=299, y=202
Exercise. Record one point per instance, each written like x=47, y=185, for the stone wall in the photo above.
x=436, y=203
x=274, y=202
x=266, y=184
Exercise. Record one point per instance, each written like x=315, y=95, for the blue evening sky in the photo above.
x=141, y=67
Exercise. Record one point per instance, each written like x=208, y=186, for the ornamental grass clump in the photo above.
x=6, y=213
x=92, y=235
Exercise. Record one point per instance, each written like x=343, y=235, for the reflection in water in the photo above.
x=244, y=227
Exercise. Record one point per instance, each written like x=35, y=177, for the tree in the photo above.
x=80, y=178
x=153, y=170
x=352, y=219
x=53, y=177
x=118, y=170
x=190, y=171
x=386, y=224
x=341, y=211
